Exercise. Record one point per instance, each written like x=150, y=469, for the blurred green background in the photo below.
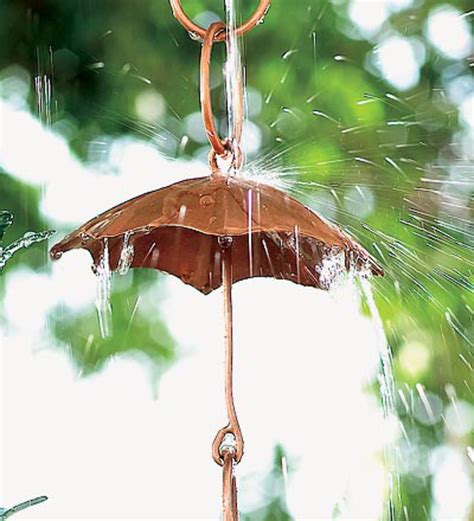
x=363, y=108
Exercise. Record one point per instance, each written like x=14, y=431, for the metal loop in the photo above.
x=220, y=147
x=200, y=32
x=237, y=158
x=206, y=103
x=218, y=454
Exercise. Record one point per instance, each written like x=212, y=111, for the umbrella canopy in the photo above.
x=183, y=228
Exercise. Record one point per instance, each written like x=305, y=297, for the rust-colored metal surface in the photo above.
x=181, y=229
x=233, y=427
x=216, y=142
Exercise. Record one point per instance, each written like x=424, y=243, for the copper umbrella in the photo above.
x=215, y=231
x=185, y=229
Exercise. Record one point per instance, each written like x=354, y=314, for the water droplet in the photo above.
x=194, y=36
x=225, y=242
x=288, y=53
x=182, y=212
x=206, y=201
x=85, y=238
x=55, y=254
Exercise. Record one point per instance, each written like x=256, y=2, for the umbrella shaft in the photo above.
x=228, y=455
x=229, y=340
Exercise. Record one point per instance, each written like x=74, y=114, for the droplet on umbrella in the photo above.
x=225, y=242
x=206, y=200
x=56, y=254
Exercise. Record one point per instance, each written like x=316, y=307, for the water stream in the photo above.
x=126, y=255
x=102, y=303
x=387, y=383
x=387, y=392
x=233, y=70
x=25, y=241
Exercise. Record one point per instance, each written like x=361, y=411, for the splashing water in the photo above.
x=7, y=512
x=102, y=303
x=332, y=270
x=27, y=240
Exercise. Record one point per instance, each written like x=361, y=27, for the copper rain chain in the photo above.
x=218, y=230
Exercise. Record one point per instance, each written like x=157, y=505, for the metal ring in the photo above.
x=197, y=30
x=237, y=158
x=220, y=147
x=217, y=454
x=206, y=103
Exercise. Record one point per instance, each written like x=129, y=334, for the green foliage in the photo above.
x=134, y=330
x=274, y=508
